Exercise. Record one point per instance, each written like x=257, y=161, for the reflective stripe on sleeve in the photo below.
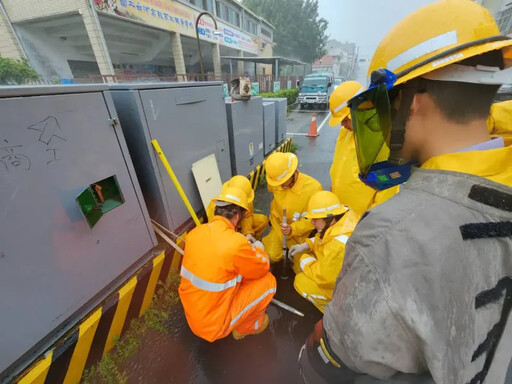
x=305, y=261
x=248, y=307
x=208, y=285
x=342, y=239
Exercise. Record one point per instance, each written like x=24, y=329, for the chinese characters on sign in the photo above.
x=176, y=17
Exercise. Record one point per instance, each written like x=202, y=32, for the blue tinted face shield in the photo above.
x=379, y=132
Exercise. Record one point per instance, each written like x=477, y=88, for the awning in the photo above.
x=265, y=60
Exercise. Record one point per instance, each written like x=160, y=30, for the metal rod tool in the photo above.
x=284, y=267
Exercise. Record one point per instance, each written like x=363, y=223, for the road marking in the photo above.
x=296, y=134
x=310, y=111
x=323, y=122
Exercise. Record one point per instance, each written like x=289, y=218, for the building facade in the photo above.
x=105, y=39
x=502, y=12
x=339, y=59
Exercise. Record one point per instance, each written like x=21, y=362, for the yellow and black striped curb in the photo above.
x=86, y=344
x=254, y=176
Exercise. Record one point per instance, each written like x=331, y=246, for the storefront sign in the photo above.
x=176, y=17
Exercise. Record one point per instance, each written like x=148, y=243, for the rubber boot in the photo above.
x=239, y=336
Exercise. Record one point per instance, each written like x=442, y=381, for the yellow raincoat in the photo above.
x=252, y=223
x=295, y=200
x=493, y=164
x=319, y=268
x=346, y=184
x=499, y=122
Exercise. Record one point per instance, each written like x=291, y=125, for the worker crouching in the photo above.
x=253, y=224
x=319, y=267
x=225, y=280
x=292, y=191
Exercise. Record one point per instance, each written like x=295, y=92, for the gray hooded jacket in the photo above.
x=426, y=283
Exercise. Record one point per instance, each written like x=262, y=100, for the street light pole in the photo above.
x=198, y=41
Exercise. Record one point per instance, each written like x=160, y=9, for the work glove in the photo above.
x=298, y=248
x=250, y=238
x=258, y=244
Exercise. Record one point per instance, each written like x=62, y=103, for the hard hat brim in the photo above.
x=229, y=201
x=335, y=121
x=463, y=54
x=323, y=215
x=291, y=171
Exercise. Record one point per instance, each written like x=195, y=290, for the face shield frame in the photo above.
x=376, y=138
x=379, y=161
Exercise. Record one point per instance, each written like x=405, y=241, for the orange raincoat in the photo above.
x=225, y=281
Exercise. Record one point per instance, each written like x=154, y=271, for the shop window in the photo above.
x=233, y=17
x=266, y=32
x=221, y=11
x=208, y=5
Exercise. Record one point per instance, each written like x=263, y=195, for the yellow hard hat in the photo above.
x=324, y=204
x=232, y=195
x=280, y=167
x=244, y=184
x=438, y=35
x=339, y=98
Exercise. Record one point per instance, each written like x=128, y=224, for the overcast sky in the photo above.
x=365, y=22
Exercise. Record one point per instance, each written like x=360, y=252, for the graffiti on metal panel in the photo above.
x=13, y=158
x=51, y=135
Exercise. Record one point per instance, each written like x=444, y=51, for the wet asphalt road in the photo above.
x=271, y=357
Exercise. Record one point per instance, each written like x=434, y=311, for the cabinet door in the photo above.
x=189, y=123
x=52, y=149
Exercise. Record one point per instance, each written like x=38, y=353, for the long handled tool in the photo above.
x=167, y=231
x=174, y=179
x=287, y=307
x=160, y=230
x=284, y=268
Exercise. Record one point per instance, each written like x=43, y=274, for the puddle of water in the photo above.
x=181, y=357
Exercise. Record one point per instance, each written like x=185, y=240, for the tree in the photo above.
x=16, y=71
x=300, y=32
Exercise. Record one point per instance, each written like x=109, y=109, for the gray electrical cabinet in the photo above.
x=269, y=126
x=281, y=108
x=245, y=123
x=73, y=223
x=189, y=122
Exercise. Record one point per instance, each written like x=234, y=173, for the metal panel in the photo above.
x=165, y=85
x=51, y=263
x=207, y=176
x=269, y=126
x=190, y=123
x=30, y=90
x=281, y=108
x=245, y=123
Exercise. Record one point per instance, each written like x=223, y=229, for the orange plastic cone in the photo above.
x=312, y=127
